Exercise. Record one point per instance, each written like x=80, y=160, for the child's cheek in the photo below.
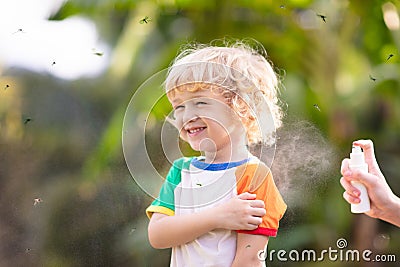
x=177, y=122
x=182, y=134
x=210, y=113
x=183, y=137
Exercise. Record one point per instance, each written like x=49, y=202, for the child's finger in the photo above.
x=258, y=212
x=250, y=227
x=255, y=221
x=247, y=196
x=257, y=203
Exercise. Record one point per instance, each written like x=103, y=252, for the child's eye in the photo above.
x=201, y=103
x=178, y=107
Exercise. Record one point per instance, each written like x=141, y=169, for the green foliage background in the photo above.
x=70, y=155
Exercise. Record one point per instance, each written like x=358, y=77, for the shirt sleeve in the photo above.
x=165, y=202
x=257, y=179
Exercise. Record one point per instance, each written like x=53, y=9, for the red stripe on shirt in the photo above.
x=260, y=231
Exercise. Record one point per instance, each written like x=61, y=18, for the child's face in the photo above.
x=205, y=120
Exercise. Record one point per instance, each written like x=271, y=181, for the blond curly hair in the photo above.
x=242, y=75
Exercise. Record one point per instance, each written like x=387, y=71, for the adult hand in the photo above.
x=384, y=204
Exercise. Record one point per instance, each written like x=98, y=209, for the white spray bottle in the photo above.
x=357, y=162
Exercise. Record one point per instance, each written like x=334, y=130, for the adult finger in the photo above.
x=345, y=166
x=350, y=189
x=369, y=153
x=350, y=199
x=368, y=179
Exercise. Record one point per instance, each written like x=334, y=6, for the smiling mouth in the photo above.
x=195, y=131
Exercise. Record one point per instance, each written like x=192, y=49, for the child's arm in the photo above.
x=258, y=180
x=247, y=250
x=242, y=212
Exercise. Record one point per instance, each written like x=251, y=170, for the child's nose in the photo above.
x=190, y=114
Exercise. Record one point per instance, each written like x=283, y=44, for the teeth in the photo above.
x=195, y=130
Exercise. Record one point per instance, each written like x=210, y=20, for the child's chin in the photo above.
x=195, y=147
x=203, y=148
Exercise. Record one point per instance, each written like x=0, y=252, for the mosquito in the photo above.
x=27, y=120
x=372, y=78
x=97, y=53
x=145, y=20
x=389, y=57
x=37, y=201
x=19, y=30
x=323, y=17
x=6, y=87
x=317, y=107
x=131, y=231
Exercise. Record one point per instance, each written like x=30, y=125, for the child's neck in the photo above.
x=227, y=154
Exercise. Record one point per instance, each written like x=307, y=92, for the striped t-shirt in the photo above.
x=193, y=185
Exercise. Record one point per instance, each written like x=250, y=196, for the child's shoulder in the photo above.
x=182, y=163
x=175, y=172
x=254, y=173
x=256, y=164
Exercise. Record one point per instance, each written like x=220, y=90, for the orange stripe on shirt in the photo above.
x=257, y=178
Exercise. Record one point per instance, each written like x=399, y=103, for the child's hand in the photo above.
x=243, y=212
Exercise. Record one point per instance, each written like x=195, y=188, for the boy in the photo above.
x=219, y=209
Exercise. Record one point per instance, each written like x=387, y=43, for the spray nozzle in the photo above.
x=356, y=149
x=357, y=156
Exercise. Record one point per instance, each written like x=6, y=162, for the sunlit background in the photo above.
x=63, y=48
x=69, y=68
